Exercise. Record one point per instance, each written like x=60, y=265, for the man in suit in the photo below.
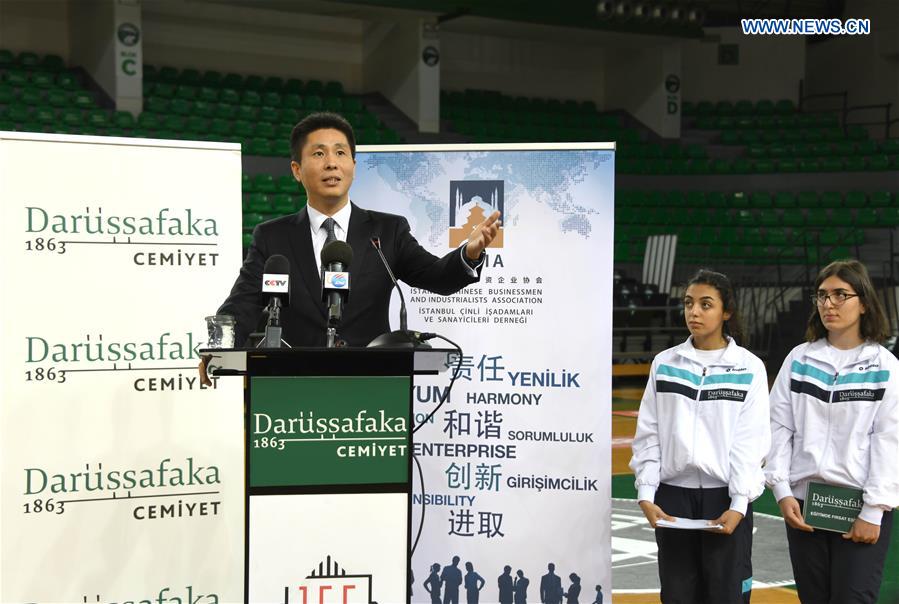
x=504, y=582
x=551, y=586
x=323, y=152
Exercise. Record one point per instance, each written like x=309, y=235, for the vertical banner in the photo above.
x=516, y=461
x=122, y=477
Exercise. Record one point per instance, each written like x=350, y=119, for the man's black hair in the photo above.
x=319, y=121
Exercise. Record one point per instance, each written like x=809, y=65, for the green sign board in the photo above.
x=831, y=508
x=310, y=431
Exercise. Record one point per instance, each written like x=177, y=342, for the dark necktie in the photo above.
x=328, y=225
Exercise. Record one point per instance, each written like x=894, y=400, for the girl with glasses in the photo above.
x=702, y=432
x=835, y=420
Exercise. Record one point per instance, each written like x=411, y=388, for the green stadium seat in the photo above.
x=793, y=217
x=764, y=166
x=18, y=113
x=841, y=216
x=167, y=74
x=123, y=119
x=313, y=102
x=52, y=63
x=7, y=94
x=354, y=105
x=188, y=93
x=259, y=146
x=15, y=77
x=787, y=165
x=197, y=125
x=827, y=199
x=67, y=81
x=866, y=217
x=156, y=104
x=232, y=80
x=264, y=183
x=889, y=217
x=242, y=128
x=42, y=79
x=284, y=203
x=251, y=219
x=292, y=100
x=254, y=83
x=31, y=96
x=273, y=84
x=257, y=202
x=764, y=107
x=190, y=77
x=855, y=164
x=878, y=163
x=831, y=164
x=181, y=107
x=314, y=87
x=293, y=86
x=856, y=133
x=247, y=239
x=44, y=115
x=246, y=112
x=268, y=114
x=229, y=95
x=264, y=130
x=333, y=89
x=819, y=217
x=174, y=123
x=211, y=78
x=148, y=121
x=203, y=109
x=28, y=60
x=7, y=58
x=768, y=217
x=71, y=118
x=225, y=111
x=855, y=199
x=251, y=97
x=880, y=199
x=332, y=103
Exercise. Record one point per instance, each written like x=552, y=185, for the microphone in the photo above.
x=276, y=282
x=401, y=338
x=336, y=258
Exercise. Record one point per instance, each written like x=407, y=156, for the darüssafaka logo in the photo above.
x=166, y=362
x=184, y=235
x=169, y=489
x=471, y=201
x=329, y=583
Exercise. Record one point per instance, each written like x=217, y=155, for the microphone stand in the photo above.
x=272, y=338
x=401, y=338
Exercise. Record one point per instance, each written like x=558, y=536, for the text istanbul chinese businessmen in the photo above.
x=323, y=152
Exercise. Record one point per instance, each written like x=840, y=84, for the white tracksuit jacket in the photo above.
x=838, y=425
x=703, y=426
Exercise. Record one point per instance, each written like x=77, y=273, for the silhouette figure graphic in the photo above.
x=452, y=579
x=504, y=582
x=520, y=588
x=574, y=590
x=598, y=599
x=474, y=583
x=551, y=586
x=432, y=584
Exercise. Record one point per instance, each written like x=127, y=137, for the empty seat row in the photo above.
x=757, y=199
x=216, y=79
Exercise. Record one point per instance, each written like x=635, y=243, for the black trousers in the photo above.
x=831, y=570
x=702, y=567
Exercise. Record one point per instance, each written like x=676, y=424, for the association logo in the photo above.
x=128, y=34
x=470, y=202
x=330, y=583
x=338, y=280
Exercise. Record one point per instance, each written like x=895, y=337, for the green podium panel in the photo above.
x=329, y=476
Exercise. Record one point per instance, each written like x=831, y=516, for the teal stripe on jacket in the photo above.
x=729, y=378
x=865, y=376
x=812, y=372
x=679, y=373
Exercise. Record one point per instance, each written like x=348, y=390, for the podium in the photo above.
x=328, y=470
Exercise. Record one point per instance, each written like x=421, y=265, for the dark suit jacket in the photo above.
x=365, y=316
